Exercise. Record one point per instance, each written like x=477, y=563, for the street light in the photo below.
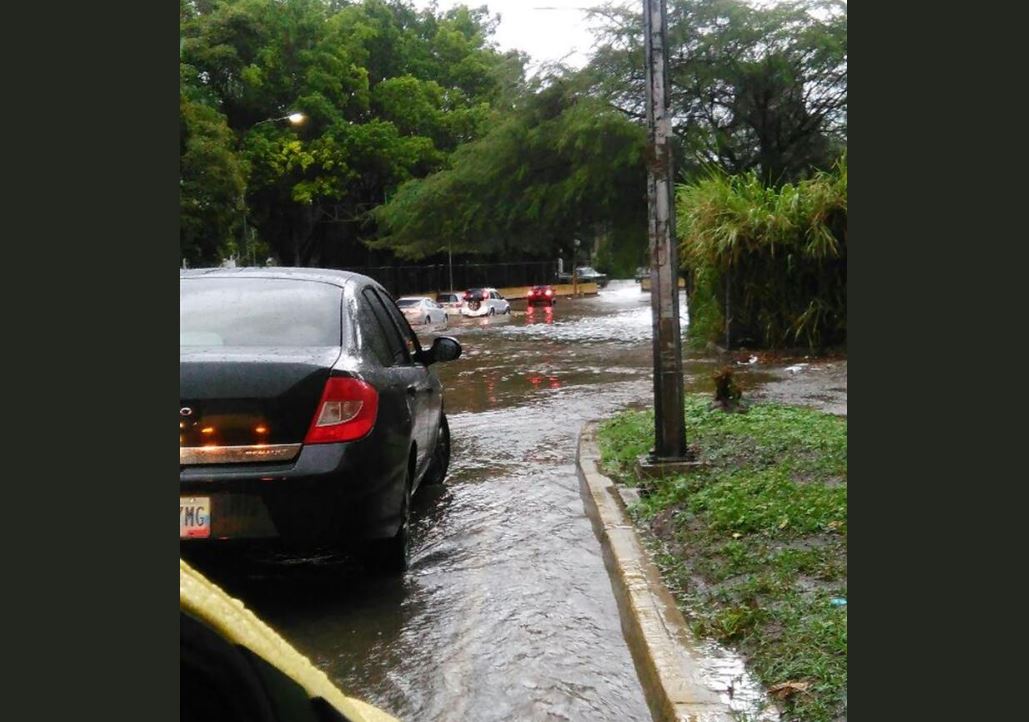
x=296, y=118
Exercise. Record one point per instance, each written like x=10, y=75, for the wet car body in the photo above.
x=484, y=302
x=587, y=274
x=584, y=274
x=422, y=311
x=308, y=412
x=541, y=296
x=450, y=302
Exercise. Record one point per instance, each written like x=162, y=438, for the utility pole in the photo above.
x=450, y=265
x=575, y=268
x=669, y=414
x=244, y=250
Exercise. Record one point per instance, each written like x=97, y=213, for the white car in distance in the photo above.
x=422, y=311
x=484, y=302
x=450, y=302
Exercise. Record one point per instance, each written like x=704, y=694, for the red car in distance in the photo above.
x=541, y=296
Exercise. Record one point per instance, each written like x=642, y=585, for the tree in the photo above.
x=761, y=88
x=389, y=93
x=561, y=165
x=211, y=182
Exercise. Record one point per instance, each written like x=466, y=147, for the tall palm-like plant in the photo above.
x=770, y=260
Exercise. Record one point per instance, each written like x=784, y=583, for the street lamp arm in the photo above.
x=294, y=118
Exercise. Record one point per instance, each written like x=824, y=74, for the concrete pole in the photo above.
x=244, y=249
x=450, y=265
x=669, y=415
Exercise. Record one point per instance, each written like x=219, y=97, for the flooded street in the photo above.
x=507, y=611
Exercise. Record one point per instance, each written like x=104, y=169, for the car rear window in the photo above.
x=259, y=312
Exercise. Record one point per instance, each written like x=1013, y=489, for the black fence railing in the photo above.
x=405, y=280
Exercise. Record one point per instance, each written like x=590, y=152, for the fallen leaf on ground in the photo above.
x=785, y=689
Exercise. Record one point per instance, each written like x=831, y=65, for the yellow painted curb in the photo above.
x=517, y=293
x=207, y=602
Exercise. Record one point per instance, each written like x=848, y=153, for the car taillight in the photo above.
x=549, y=292
x=347, y=411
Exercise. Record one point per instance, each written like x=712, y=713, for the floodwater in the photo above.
x=507, y=612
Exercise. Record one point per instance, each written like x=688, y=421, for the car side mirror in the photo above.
x=444, y=348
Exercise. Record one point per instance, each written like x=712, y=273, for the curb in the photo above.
x=654, y=628
x=520, y=293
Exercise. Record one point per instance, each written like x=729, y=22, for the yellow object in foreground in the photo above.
x=207, y=602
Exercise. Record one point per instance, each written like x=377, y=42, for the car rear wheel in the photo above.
x=440, y=456
x=391, y=556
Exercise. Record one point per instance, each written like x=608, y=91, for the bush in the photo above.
x=772, y=260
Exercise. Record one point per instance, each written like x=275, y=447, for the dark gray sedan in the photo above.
x=309, y=413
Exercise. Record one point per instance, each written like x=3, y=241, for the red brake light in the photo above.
x=550, y=292
x=347, y=411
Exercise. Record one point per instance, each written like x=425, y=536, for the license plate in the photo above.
x=194, y=517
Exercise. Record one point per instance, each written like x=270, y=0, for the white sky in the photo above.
x=548, y=30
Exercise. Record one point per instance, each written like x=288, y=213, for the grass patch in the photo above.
x=754, y=546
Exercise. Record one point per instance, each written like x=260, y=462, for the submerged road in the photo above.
x=507, y=612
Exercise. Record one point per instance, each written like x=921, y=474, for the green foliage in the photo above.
x=561, y=165
x=211, y=183
x=751, y=87
x=758, y=546
x=622, y=249
x=624, y=438
x=389, y=92
x=706, y=320
x=422, y=136
x=781, y=253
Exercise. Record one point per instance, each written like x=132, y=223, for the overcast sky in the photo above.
x=548, y=30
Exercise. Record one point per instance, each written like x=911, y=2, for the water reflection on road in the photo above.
x=517, y=616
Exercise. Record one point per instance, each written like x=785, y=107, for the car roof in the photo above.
x=325, y=275
x=414, y=298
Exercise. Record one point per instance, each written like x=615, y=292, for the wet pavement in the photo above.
x=507, y=611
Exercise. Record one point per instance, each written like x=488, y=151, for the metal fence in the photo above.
x=403, y=280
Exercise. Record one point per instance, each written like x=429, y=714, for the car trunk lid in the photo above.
x=249, y=397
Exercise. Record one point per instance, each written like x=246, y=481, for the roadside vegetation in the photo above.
x=423, y=139
x=754, y=546
x=772, y=260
